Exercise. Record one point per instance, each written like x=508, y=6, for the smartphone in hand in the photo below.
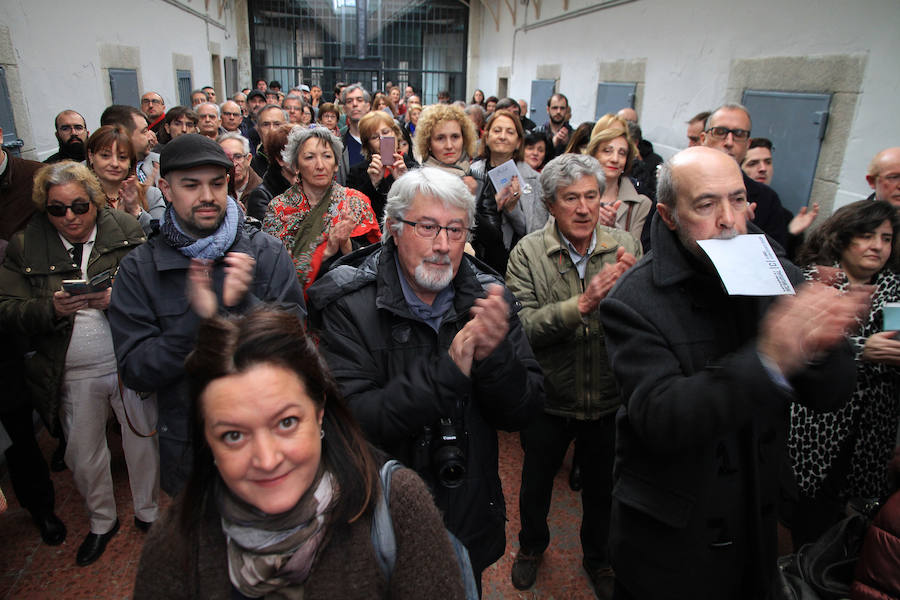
x=388, y=147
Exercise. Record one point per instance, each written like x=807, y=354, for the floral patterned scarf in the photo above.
x=304, y=228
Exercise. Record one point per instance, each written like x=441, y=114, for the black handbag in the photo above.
x=824, y=569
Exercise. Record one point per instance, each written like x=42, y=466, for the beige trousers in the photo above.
x=84, y=411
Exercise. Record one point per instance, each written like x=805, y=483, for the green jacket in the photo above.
x=35, y=266
x=570, y=350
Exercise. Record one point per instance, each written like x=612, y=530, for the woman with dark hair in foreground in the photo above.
x=846, y=453
x=284, y=484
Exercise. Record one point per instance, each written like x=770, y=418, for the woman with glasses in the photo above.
x=318, y=219
x=283, y=493
x=505, y=215
x=329, y=116
x=55, y=288
x=846, y=453
x=375, y=175
x=621, y=206
x=111, y=157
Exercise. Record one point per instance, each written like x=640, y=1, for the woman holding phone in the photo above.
x=70, y=367
x=383, y=162
x=845, y=454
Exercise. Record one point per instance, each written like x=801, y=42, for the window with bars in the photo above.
x=420, y=43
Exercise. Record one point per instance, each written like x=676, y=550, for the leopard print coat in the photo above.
x=868, y=422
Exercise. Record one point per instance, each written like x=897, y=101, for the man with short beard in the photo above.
x=202, y=235
x=424, y=342
x=72, y=134
x=557, y=127
x=707, y=380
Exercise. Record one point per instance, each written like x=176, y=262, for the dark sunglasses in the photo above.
x=59, y=210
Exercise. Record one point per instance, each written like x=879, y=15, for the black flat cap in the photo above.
x=191, y=150
x=255, y=93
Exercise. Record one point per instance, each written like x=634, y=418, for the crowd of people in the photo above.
x=276, y=294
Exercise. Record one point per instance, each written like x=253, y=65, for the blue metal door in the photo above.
x=613, y=97
x=541, y=91
x=795, y=123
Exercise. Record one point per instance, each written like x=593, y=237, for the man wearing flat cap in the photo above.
x=204, y=260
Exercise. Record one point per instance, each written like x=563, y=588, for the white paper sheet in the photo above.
x=747, y=266
x=502, y=174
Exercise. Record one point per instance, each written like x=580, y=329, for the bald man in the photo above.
x=629, y=114
x=707, y=380
x=884, y=176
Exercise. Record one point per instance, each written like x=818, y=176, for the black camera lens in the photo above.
x=450, y=463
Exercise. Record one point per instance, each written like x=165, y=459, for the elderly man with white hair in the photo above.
x=427, y=348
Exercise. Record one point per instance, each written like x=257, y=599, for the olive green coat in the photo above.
x=36, y=264
x=570, y=350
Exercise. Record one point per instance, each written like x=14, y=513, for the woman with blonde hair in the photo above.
x=621, y=205
x=446, y=138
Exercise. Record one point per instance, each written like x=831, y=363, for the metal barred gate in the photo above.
x=320, y=42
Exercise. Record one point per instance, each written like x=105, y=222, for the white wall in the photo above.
x=58, y=52
x=689, y=46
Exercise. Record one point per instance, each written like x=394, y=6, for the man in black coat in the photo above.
x=728, y=129
x=707, y=380
x=153, y=315
x=426, y=347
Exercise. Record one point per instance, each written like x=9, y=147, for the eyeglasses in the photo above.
x=429, y=231
x=720, y=133
x=238, y=157
x=151, y=101
x=59, y=210
x=71, y=128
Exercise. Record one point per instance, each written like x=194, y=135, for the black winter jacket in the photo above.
x=154, y=326
x=700, y=438
x=397, y=377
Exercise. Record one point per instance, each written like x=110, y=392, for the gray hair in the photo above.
x=566, y=169
x=270, y=107
x=666, y=192
x=234, y=135
x=295, y=97
x=352, y=88
x=299, y=135
x=235, y=97
x=426, y=181
x=213, y=104
x=728, y=106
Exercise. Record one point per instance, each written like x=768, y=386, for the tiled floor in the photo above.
x=30, y=569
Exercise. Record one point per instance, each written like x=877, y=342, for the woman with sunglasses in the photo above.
x=54, y=291
x=111, y=157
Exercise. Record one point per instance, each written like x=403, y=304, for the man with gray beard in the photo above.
x=430, y=355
